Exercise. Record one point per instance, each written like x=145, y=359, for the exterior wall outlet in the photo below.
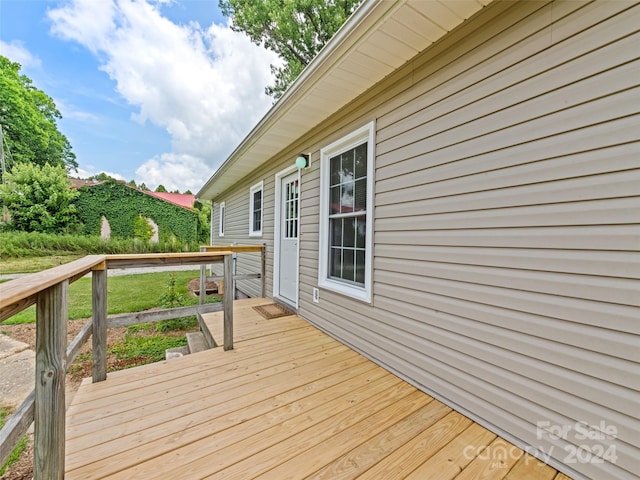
x=316, y=295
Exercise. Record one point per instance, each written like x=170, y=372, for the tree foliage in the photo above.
x=39, y=199
x=102, y=177
x=142, y=230
x=295, y=29
x=28, y=117
x=204, y=222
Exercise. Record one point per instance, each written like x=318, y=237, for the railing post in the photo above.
x=203, y=280
x=228, y=302
x=263, y=270
x=99, y=321
x=50, y=409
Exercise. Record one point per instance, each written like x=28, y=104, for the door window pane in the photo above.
x=291, y=210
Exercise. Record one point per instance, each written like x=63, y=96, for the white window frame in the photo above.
x=359, y=136
x=258, y=187
x=221, y=218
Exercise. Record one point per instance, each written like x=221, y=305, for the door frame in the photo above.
x=277, y=235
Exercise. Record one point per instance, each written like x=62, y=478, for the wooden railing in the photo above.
x=48, y=290
x=234, y=249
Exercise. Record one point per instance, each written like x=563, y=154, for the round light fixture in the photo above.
x=302, y=161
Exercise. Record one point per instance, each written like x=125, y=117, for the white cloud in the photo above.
x=70, y=111
x=87, y=22
x=174, y=171
x=17, y=52
x=204, y=86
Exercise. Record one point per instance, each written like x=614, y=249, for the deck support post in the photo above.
x=99, y=320
x=51, y=368
x=228, y=302
x=263, y=270
x=203, y=280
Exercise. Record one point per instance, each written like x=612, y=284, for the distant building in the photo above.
x=185, y=200
x=115, y=209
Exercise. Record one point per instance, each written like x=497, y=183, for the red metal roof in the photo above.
x=185, y=200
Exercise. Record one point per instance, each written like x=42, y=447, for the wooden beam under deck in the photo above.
x=287, y=402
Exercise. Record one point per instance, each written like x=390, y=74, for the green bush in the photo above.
x=174, y=297
x=142, y=230
x=39, y=198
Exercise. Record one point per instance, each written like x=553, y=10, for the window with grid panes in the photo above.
x=255, y=209
x=346, y=171
x=221, y=220
x=348, y=214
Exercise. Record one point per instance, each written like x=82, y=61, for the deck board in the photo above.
x=287, y=402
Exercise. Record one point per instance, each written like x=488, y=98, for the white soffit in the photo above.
x=381, y=36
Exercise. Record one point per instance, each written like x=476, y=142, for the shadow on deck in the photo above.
x=287, y=402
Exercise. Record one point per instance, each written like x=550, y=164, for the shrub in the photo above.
x=142, y=230
x=39, y=198
x=173, y=298
x=34, y=244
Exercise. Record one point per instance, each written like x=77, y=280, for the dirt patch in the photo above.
x=26, y=333
x=23, y=468
x=210, y=287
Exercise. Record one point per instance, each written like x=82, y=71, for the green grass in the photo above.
x=144, y=349
x=139, y=347
x=34, y=264
x=129, y=293
x=28, y=245
x=22, y=444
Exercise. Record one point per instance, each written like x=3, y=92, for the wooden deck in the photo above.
x=287, y=402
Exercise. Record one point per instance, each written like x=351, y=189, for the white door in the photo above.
x=289, y=226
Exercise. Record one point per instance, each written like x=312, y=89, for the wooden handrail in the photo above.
x=233, y=248
x=262, y=249
x=165, y=259
x=22, y=292
x=48, y=289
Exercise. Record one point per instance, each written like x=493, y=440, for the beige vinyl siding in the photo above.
x=507, y=224
x=237, y=230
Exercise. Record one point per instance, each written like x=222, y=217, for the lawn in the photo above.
x=129, y=293
x=34, y=264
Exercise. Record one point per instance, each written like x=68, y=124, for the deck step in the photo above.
x=196, y=342
x=176, y=352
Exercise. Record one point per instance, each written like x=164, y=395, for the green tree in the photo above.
x=103, y=177
x=204, y=221
x=28, y=117
x=39, y=199
x=294, y=29
x=161, y=189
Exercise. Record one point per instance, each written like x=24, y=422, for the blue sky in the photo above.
x=159, y=91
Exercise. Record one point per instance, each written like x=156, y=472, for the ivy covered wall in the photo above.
x=122, y=206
